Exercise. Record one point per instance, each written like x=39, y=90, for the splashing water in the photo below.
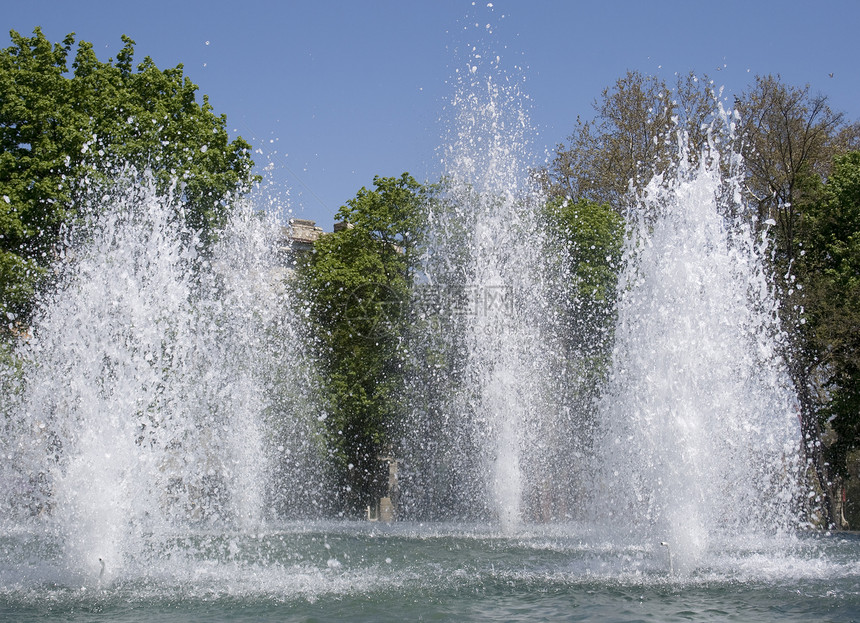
x=485, y=245
x=147, y=378
x=157, y=429
x=694, y=433
x=700, y=434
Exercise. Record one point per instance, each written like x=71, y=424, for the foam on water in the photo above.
x=341, y=568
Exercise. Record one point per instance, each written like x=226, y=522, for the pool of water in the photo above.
x=441, y=572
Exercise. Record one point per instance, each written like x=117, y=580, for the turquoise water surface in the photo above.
x=441, y=572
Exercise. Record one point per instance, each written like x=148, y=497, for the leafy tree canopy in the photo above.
x=392, y=212
x=62, y=127
x=592, y=234
x=357, y=282
x=832, y=263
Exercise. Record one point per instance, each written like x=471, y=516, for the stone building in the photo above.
x=300, y=235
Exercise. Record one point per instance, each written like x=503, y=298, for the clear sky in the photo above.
x=333, y=92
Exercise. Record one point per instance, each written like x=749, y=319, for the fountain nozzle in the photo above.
x=669, y=550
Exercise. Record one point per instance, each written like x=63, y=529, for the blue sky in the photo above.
x=334, y=92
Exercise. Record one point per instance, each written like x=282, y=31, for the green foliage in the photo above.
x=585, y=241
x=392, y=213
x=592, y=235
x=832, y=266
x=64, y=128
x=582, y=258
x=358, y=282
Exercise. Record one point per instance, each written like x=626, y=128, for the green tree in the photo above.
x=788, y=139
x=831, y=267
x=62, y=129
x=591, y=235
x=357, y=282
x=583, y=257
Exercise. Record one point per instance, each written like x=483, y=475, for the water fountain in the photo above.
x=145, y=403
x=486, y=243
x=155, y=457
x=699, y=397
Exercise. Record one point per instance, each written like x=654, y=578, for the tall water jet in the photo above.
x=484, y=253
x=145, y=404
x=700, y=431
